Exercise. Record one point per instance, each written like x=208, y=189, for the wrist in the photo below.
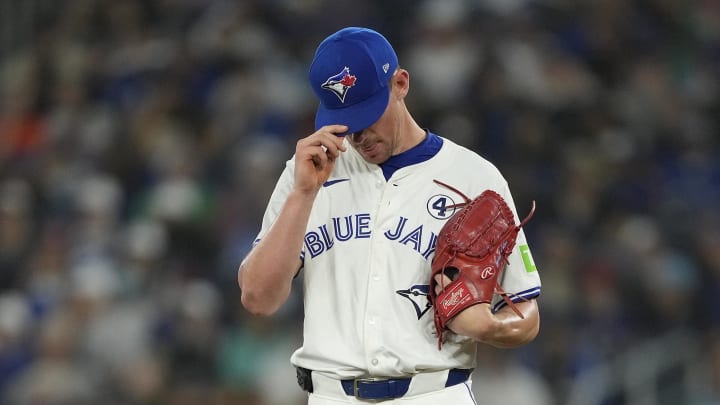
x=477, y=322
x=302, y=195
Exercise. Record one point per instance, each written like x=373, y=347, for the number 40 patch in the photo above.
x=441, y=206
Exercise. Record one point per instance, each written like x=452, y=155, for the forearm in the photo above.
x=265, y=276
x=504, y=329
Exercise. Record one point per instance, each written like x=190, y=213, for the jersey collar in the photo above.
x=423, y=151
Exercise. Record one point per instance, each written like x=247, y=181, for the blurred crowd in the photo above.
x=140, y=141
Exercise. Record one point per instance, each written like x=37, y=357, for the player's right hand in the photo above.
x=315, y=157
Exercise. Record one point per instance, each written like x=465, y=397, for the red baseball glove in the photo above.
x=472, y=250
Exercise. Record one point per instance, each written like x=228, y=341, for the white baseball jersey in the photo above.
x=366, y=262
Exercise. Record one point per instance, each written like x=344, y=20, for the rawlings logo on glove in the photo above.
x=472, y=250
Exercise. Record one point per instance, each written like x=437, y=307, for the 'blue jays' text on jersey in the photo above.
x=366, y=263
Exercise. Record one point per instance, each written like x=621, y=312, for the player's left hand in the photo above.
x=479, y=316
x=479, y=322
x=441, y=281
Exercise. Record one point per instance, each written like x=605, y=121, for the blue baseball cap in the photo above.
x=350, y=74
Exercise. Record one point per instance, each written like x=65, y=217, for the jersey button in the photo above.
x=374, y=362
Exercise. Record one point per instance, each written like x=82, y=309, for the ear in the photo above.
x=400, y=83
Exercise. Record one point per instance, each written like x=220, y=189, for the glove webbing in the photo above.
x=497, y=289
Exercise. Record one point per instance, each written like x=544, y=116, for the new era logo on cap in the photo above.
x=350, y=74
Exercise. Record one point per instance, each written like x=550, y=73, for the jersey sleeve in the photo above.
x=277, y=199
x=521, y=278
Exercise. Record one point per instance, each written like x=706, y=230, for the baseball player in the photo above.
x=357, y=213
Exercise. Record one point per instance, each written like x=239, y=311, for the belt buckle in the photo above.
x=363, y=380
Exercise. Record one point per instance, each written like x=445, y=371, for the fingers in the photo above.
x=441, y=282
x=315, y=157
x=329, y=138
x=337, y=130
x=323, y=145
x=319, y=156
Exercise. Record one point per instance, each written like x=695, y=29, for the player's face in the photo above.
x=383, y=138
x=379, y=141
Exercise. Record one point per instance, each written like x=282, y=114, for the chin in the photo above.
x=373, y=158
x=376, y=159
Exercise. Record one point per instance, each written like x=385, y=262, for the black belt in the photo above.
x=380, y=388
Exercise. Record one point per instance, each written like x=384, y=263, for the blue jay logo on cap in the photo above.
x=340, y=83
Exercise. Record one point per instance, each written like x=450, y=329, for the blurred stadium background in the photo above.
x=139, y=142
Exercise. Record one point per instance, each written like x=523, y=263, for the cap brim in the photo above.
x=356, y=117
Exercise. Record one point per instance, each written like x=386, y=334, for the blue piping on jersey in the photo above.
x=470, y=392
x=519, y=297
x=423, y=151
